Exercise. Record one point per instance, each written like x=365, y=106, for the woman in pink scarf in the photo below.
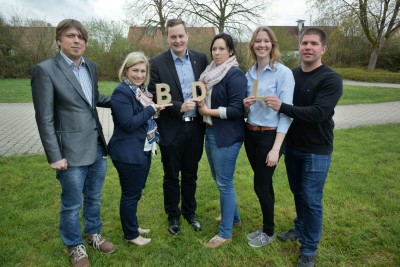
x=223, y=112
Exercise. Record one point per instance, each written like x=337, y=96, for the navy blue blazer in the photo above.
x=229, y=93
x=127, y=142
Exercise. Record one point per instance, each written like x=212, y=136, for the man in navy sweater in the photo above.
x=309, y=141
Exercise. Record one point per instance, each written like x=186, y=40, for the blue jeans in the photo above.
x=222, y=162
x=307, y=175
x=75, y=182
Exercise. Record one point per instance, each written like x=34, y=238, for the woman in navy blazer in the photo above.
x=223, y=112
x=133, y=139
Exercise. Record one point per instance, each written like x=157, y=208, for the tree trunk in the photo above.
x=373, y=58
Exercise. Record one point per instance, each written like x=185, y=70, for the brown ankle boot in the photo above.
x=78, y=256
x=99, y=243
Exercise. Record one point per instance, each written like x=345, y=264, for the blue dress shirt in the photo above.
x=277, y=81
x=184, y=69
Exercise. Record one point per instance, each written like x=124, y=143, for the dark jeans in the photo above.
x=132, y=178
x=182, y=155
x=257, y=145
x=307, y=175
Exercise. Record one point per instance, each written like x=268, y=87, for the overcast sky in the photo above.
x=281, y=12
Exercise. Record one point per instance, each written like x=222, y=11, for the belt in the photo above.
x=187, y=119
x=209, y=125
x=259, y=128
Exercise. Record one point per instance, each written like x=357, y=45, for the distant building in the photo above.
x=23, y=47
x=38, y=40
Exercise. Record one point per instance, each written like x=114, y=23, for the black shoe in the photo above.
x=289, y=235
x=305, y=261
x=174, y=226
x=194, y=223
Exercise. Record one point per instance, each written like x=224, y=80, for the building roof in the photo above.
x=152, y=36
x=31, y=36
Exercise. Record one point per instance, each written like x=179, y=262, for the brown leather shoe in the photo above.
x=217, y=241
x=78, y=256
x=99, y=243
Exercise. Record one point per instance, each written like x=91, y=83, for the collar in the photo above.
x=70, y=62
x=253, y=70
x=174, y=57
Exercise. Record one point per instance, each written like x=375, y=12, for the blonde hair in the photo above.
x=275, y=54
x=131, y=60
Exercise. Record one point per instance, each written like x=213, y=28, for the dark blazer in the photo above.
x=162, y=68
x=69, y=126
x=127, y=142
x=229, y=93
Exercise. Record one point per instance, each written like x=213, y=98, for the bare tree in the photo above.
x=154, y=13
x=39, y=40
x=104, y=32
x=231, y=15
x=379, y=19
x=107, y=46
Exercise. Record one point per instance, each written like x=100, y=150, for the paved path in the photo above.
x=18, y=130
x=19, y=134
x=387, y=85
x=366, y=114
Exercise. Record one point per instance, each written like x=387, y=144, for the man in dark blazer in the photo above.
x=65, y=95
x=180, y=126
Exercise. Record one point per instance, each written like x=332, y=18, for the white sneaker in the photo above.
x=261, y=240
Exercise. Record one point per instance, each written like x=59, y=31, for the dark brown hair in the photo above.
x=228, y=41
x=316, y=31
x=66, y=24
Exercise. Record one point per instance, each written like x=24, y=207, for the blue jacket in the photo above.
x=127, y=142
x=229, y=93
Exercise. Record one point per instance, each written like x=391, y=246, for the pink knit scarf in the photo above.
x=213, y=74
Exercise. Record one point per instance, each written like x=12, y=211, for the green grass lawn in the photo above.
x=360, y=74
x=361, y=212
x=19, y=91
x=367, y=95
